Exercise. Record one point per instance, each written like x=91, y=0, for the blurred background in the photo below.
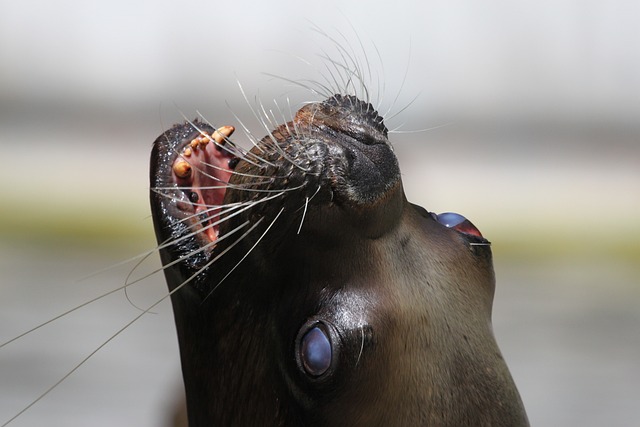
x=541, y=150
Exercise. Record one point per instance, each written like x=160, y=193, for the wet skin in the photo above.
x=307, y=290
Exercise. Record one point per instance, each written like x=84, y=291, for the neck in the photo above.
x=227, y=381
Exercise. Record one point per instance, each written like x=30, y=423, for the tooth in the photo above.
x=222, y=133
x=182, y=169
x=194, y=143
x=187, y=152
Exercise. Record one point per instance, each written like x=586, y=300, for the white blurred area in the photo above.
x=548, y=90
x=541, y=150
x=562, y=60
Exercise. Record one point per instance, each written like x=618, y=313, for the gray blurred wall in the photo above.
x=558, y=60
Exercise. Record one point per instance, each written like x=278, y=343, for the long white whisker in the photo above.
x=252, y=138
x=396, y=130
x=299, y=83
x=304, y=213
x=404, y=80
x=256, y=115
x=121, y=263
x=236, y=148
x=224, y=208
x=277, y=146
x=406, y=106
x=225, y=147
x=247, y=253
x=197, y=251
x=90, y=355
x=306, y=205
x=126, y=281
x=361, y=344
x=84, y=304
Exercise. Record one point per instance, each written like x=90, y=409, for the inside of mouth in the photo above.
x=201, y=170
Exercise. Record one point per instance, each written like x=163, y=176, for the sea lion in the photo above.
x=307, y=290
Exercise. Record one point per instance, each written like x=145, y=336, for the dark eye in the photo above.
x=315, y=351
x=458, y=222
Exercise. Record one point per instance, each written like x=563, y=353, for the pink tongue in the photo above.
x=203, y=166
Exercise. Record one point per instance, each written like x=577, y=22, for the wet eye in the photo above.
x=315, y=351
x=458, y=223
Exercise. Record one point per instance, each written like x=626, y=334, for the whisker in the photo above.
x=361, y=344
x=92, y=353
x=399, y=92
x=120, y=263
x=227, y=249
x=396, y=130
x=237, y=148
x=261, y=120
x=127, y=325
x=353, y=56
x=277, y=146
x=224, y=147
x=197, y=251
x=84, y=304
x=304, y=212
x=405, y=107
x=144, y=256
x=306, y=205
x=350, y=64
x=233, y=186
x=323, y=91
x=252, y=138
x=165, y=193
x=248, y=252
x=256, y=115
x=380, y=77
x=238, y=151
x=284, y=120
x=364, y=54
x=242, y=208
x=246, y=205
x=299, y=83
x=126, y=281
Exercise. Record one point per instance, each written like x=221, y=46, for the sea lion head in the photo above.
x=307, y=290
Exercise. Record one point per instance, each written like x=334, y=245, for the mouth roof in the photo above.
x=201, y=170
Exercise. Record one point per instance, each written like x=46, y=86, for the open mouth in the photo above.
x=203, y=163
x=335, y=151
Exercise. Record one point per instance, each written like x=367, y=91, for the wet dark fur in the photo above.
x=328, y=238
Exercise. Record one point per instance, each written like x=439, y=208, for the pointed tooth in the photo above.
x=222, y=133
